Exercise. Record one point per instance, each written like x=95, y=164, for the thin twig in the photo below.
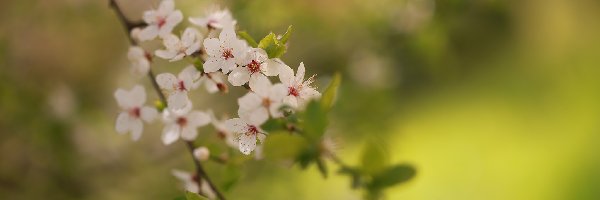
x=128, y=25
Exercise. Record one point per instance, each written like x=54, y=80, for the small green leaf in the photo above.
x=314, y=121
x=273, y=124
x=180, y=198
x=284, y=146
x=199, y=64
x=374, y=158
x=244, y=35
x=392, y=176
x=322, y=167
x=194, y=196
x=272, y=46
x=286, y=36
x=355, y=175
x=330, y=93
x=159, y=105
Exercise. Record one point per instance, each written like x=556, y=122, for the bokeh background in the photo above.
x=488, y=99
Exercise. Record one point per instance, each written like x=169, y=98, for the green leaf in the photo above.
x=314, y=121
x=273, y=124
x=286, y=36
x=322, y=167
x=330, y=93
x=244, y=35
x=180, y=198
x=374, y=158
x=284, y=146
x=199, y=64
x=194, y=196
x=355, y=175
x=272, y=46
x=392, y=176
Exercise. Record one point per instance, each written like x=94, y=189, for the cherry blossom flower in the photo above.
x=202, y=153
x=182, y=123
x=214, y=19
x=265, y=98
x=140, y=62
x=190, y=183
x=213, y=82
x=254, y=64
x=130, y=119
x=178, y=87
x=176, y=49
x=160, y=21
x=248, y=129
x=299, y=90
x=223, y=132
x=225, y=52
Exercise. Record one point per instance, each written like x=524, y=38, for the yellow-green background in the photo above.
x=488, y=99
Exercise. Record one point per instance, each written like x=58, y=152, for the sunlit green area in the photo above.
x=486, y=99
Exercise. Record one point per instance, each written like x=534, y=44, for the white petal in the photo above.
x=135, y=53
x=123, y=98
x=177, y=100
x=261, y=137
x=181, y=175
x=236, y=125
x=174, y=18
x=227, y=34
x=210, y=86
x=177, y=57
x=136, y=129
x=166, y=6
x=239, y=76
x=198, y=118
x=189, y=133
x=256, y=117
x=202, y=153
x=199, y=21
x=213, y=47
x=192, y=48
x=166, y=81
x=300, y=73
x=286, y=75
x=275, y=111
x=212, y=64
x=250, y=101
x=150, y=17
x=171, y=42
x=228, y=65
x=277, y=92
x=138, y=95
x=309, y=93
x=123, y=123
x=188, y=75
x=165, y=54
x=271, y=67
x=260, y=84
x=247, y=143
x=148, y=33
x=188, y=36
x=290, y=101
x=170, y=133
x=148, y=114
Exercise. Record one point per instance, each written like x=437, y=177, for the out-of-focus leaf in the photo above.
x=180, y=198
x=322, y=167
x=244, y=35
x=393, y=175
x=374, y=158
x=159, y=105
x=272, y=46
x=231, y=175
x=194, y=196
x=354, y=174
x=330, y=93
x=286, y=36
x=199, y=65
x=307, y=156
x=283, y=146
x=273, y=125
x=314, y=121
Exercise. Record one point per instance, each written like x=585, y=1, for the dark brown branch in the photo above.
x=201, y=172
x=128, y=26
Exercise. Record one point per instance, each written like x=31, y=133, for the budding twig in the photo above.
x=129, y=25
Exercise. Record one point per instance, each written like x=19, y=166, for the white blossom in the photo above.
x=214, y=19
x=223, y=132
x=182, y=123
x=160, y=21
x=202, y=153
x=130, y=119
x=255, y=63
x=225, y=52
x=299, y=91
x=140, y=63
x=265, y=98
x=190, y=183
x=178, y=87
x=213, y=82
x=248, y=129
x=176, y=49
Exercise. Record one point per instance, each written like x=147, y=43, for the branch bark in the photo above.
x=128, y=26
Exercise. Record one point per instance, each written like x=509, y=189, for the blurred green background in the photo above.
x=488, y=99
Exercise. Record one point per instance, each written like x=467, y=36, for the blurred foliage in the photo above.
x=485, y=99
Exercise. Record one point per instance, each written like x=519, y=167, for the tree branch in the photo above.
x=128, y=26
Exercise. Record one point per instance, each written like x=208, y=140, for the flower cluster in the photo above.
x=216, y=55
